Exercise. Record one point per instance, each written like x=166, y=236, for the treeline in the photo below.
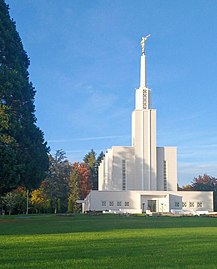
x=64, y=184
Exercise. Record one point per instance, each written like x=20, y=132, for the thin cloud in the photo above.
x=88, y=138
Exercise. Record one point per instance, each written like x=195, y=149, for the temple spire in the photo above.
x=143, y=94
x=143, y=72
x=143, y=62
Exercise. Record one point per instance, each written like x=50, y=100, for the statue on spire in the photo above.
x=143, y=43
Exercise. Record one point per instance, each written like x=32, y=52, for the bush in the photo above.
x=14, y=201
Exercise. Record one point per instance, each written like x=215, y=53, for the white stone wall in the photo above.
x=175, y=201
x=110, y=170
x=192, y=200
x=160, y=168
x=101, y=172
x=139, y=99
x=137, y=201
x=118, y=201
x=167, y=168
x=122, y=154
x=107, y=170
x=171, y=160
x=144, y=124
x=143, y=71
x=153, y=150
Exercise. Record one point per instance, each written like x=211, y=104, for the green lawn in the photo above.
x=107, y=241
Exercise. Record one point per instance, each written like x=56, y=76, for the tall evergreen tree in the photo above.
x=90, y=160
x=93, y=163
x=23, y=151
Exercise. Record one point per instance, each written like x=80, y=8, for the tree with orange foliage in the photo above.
x=79, y=183
x=204, y=183
x=83, y=179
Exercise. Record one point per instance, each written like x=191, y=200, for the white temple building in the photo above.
x=143, y=176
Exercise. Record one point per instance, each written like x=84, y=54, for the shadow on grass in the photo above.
x=53, y=224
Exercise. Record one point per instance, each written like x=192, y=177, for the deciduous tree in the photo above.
x=79, y=185
x=57, y=180
x=204, y=183
x=73, y=188
x=38, y=200
x=84, y=180
x=15, y=201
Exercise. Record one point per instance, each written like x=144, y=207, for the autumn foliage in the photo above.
x=83, y=179
x=38, y=199
x=64, y=184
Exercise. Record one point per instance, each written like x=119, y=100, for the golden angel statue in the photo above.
x=143, y=43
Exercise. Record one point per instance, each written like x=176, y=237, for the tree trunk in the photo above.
x=27, y=202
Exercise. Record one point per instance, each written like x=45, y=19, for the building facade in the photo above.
x=143, y=176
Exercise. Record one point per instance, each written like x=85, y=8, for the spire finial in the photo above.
x=143, y=43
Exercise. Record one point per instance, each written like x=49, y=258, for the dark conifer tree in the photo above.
x=23, y=151
x=93, y=163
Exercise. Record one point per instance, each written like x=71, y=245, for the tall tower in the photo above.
x=144, y=133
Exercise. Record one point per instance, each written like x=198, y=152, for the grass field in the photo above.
x=107, y=241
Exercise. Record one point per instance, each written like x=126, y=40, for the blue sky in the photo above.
x=85, y=58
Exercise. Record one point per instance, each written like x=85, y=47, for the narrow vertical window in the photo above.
x=123, y=175
x=165, y=176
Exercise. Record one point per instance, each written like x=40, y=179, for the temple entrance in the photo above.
x=143, y=207
x=152, y=205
